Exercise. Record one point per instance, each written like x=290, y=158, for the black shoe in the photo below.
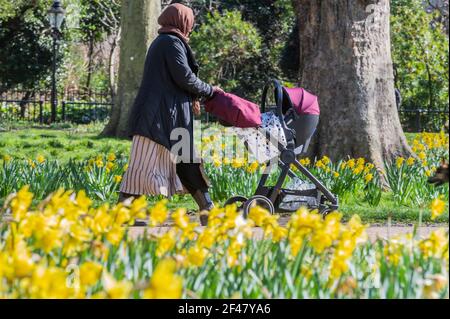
x=204, y=220
x=139, y=223
x=205, y=204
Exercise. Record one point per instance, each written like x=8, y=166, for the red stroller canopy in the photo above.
x=303, y=101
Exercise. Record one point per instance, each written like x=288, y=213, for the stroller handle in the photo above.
x=278, y=95
x=279, y=101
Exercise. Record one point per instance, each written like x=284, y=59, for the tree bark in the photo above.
x=112, y=66
x=139, y=28
x=24, y=103
x=345, y=59
x=90, y=67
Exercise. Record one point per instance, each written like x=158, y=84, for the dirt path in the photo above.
x=382, y=231
x=374, y=232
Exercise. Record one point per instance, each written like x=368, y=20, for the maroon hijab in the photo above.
x=177, y=18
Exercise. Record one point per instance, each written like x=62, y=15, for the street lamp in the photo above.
x=55, y=17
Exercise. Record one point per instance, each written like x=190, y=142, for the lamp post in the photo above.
x=55, y=17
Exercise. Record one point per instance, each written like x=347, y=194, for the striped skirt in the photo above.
x=151, y=170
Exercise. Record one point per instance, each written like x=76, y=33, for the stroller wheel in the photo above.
x=325, y=211
x=259, y=200
x=238, y=200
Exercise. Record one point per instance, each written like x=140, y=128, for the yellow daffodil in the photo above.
x=31, y=163
x=138, y=208
x=400, y=161
x=23, y=264
x=109, y=165
x=326, y=160
x=206, y=239
x=253, y=167
x=180, y=218
x=422, y=155
x=217, y=162
x=111, y=157
x=368, y=178
x=196, y=255
x=165, y=284
x=279, y=233
x=90, y=273
x=99, y=163
x=83, y=201
x=410, y=161
x=237, y=162
x=159, y=213
x=166, y=242
x=40, y=159
x=7, y=158
x=62, y=247
x=320, y=164
x=115, y=235
x=351, y=163
x=21, y=202
x=305, y=161
x=435, y=245
x=358, y=170
x=116, y=289
x=437, y=208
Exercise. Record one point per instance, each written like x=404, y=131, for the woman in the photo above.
x=166, y=100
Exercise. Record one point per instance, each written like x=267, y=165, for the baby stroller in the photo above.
x=297, y=111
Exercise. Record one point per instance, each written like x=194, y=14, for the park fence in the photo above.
x=79, y=107
x=423, y=120
x=83, y=107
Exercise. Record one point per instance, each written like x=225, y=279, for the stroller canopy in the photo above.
x=302, y=101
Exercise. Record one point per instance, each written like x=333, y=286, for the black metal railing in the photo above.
x=73, y=95
x=31, y=111
x=85, y=112
x=423, y=120
x=85, y=106
x=79, y=107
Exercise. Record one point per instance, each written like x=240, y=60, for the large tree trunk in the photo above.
x=139, y=27
x=345, y=58
x=90, y=67
x=112, y=65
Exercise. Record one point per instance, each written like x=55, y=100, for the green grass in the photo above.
x=386, y=210
x=61, y=142
x=374, y=215
x=65, y=141
x=371, y=215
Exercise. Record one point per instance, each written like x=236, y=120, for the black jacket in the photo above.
x=169, y=86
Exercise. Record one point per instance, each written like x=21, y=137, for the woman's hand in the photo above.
x=196, y=108
x=218, y=89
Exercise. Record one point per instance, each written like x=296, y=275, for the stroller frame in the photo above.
x=270, y=197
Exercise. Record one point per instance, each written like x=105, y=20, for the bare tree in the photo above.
x=138, y=28
x=111, y=21
x=345, y=58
